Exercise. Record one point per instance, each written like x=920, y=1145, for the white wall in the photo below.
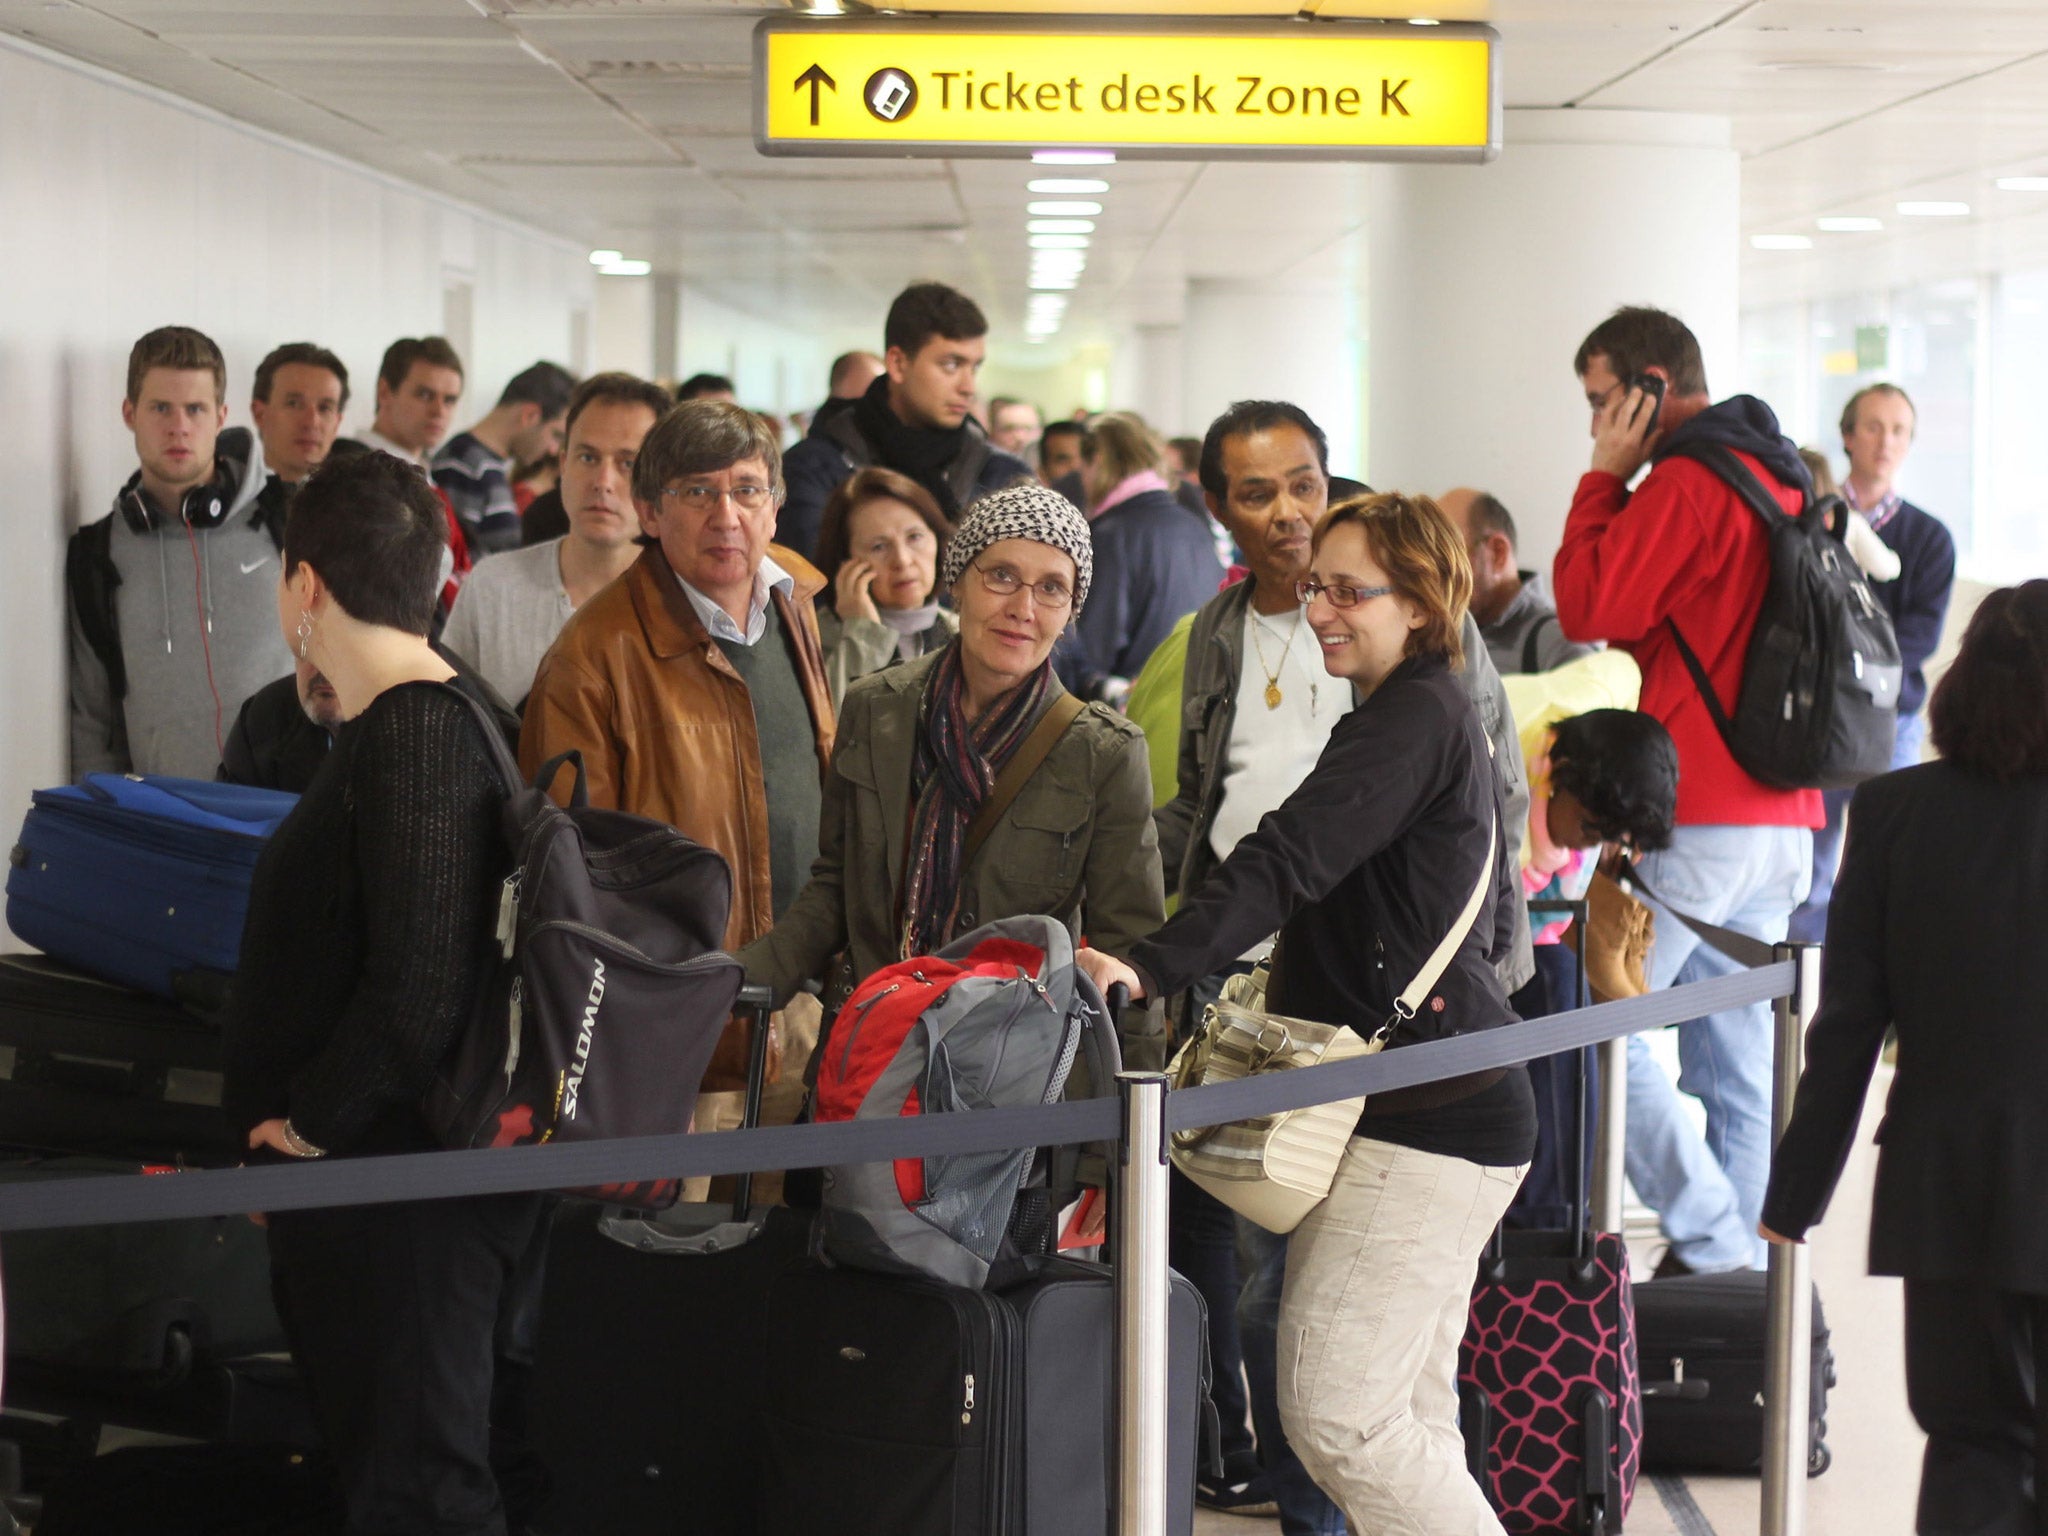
x=122, y=210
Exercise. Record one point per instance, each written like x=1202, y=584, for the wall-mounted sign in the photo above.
x=1186, y=89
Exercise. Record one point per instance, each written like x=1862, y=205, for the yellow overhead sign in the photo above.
x=1190, y=89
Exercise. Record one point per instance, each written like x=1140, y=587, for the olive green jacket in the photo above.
x=1076, y=844
x=856, y=647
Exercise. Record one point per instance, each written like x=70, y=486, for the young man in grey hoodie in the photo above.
x=172, y=596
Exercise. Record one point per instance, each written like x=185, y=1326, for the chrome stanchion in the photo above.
x=1608, y=1161
x=1788, y=1331
x=1141, y=1296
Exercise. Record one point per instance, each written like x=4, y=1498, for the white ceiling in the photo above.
x=627, y=123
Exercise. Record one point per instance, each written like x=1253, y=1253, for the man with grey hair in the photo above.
x=694, y=686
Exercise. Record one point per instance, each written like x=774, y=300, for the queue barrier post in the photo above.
x=1609, y=1161
x=1788, y=1331
x=1141, y=1301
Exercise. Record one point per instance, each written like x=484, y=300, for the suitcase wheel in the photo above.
x=1596, y=1517
x=1819, y=1459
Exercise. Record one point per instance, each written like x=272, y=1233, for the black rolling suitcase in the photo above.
x=908, y=1407
x=1702, y=1348
x=647, y=1384
x=1548, y=1393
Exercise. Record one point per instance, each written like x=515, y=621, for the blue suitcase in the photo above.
x=140, y=879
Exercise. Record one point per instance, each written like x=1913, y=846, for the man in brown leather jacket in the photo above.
x=694, y=685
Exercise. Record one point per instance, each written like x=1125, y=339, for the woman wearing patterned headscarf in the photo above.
x=920, y=748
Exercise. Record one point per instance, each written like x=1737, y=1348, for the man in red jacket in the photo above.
x=1683, y=554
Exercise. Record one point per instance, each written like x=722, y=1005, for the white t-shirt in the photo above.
x=1272, y=749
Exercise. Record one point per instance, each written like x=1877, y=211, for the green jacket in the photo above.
x=856, y=647
x=1076, y=844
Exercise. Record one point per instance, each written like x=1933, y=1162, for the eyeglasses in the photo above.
x=704, y=498
x=1339, y=594
x=1004, y=582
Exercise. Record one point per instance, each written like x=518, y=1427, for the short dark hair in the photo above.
x=835, y=526
x=547, y=385
x=297, y=354
x=373, y=526
x=1423, y=554
x=704, y=384
x=399, y=357
x=1989, y=712
x=701, y=437
x=1490, y=515
x=1055, y=429
x=925, y=310
x=617, y=389
x=1243, y=418
x=1622, y=768
x=843, y=364
x=1189, y=449
x=1856, y=400
x=181, y=348
x=1636, y=338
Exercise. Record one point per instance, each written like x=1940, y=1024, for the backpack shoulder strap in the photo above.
x=1052, y=725
x=494, y=740
x=1739, y=478
x=1532, y=639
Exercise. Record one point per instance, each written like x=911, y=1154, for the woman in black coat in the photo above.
x=1937, y=929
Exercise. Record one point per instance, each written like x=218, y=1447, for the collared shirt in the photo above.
x=1886, y=509
x=768, y=577
x=370, y=437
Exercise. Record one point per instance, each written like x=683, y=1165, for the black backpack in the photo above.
x=1820, y=684
x=606, y=990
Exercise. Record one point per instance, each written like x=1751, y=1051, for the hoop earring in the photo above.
x=305, y=635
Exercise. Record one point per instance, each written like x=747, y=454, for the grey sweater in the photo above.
x=196, y=611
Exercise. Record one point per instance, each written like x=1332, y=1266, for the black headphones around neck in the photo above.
x=202, y=507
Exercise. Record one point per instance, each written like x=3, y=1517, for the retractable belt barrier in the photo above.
x=101, y=1200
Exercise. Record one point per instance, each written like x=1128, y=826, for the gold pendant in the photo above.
x=1272, y=695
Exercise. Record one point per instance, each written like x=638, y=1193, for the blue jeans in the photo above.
x=1305, y=1510
x=1201, y=1244
x=1708, y=1192
x=1810, y=922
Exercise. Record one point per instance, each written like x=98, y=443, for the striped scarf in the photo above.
x=955, y=768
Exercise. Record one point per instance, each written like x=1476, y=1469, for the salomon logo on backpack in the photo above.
x=1820, y=683
x=996, y=1018
x=606, y=991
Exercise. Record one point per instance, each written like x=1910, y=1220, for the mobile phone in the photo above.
x=1652, y=386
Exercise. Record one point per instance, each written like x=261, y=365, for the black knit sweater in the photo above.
x=367, y=924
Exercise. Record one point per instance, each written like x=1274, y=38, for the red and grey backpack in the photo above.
x=996, y=1018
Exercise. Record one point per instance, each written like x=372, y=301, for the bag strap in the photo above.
x=1440, y=959
x=1530, y=641
x=1052, y=725
x=1739, y=947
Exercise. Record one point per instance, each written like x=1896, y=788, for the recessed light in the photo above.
x=626, y=268
x=1053, y=283
x=606, y=258
x=1934, y=210
x=2023, y=183
x=1780, y=243
x=1066, y=186
x=1061, y=226
x=1058, y=242
x=1072, y=157
x=1063, y=210
x=1848, y=225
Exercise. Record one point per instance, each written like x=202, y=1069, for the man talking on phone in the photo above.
x=1683, y=554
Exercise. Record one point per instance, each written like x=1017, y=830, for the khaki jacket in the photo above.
x=666, y=726
x=1076, y=844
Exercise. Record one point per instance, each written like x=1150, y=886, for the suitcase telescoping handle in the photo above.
x=757, y=1000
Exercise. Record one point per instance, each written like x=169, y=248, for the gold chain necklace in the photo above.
x=1273, y=694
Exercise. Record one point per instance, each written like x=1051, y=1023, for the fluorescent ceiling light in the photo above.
x=627, y=269
x=1424, y=21
x=2023, y=183
x=1072, y=157
x=1934, y=210
x=1063, y=210
x=606, y=258
x=1058, y=242
x=1058, y=268
x=1066, y=186
x=1053, y=282
x=1848, y=224
x=1061, y=226
x=1780, y=243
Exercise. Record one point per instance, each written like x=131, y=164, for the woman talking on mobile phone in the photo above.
x=1365, y=870
x=880, y=541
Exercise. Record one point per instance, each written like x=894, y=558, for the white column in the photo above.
x=1485, y=279
x=1158, y=393
x=1294, y=337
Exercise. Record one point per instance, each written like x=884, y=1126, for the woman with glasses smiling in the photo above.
x=1393, y=844
x=920, y=747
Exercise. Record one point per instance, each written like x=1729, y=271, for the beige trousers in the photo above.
x=796, y=1036
x=1379, y=1280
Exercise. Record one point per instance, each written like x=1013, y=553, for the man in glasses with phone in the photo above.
x=1683, y=555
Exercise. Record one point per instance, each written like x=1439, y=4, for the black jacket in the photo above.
x=1939, y=918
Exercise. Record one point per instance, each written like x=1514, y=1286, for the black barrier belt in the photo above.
x=103, y=1200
